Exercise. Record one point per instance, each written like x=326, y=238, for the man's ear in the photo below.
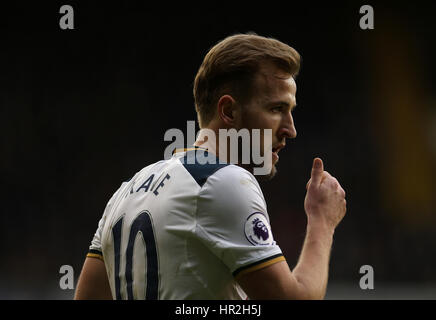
x=228, y=110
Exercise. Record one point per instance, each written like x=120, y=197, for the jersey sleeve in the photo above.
x=95, y=249
x=232, y=221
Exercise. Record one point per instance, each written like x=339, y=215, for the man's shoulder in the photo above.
x=232, y=172
x=202, y=165
x=232, y=190
x=233, y=179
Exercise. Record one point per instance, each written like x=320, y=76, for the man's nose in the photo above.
x=287, y=129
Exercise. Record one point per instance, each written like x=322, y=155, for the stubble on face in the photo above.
x=269, y=86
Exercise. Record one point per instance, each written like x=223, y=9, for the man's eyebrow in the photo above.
x=282, y=103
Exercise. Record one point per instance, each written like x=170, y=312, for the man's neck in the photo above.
x=208, y=138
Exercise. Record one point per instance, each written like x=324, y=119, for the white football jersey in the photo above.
x=182, y=229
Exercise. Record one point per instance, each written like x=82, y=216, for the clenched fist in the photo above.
x=325, y=199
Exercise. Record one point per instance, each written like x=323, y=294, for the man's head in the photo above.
x=247, y=81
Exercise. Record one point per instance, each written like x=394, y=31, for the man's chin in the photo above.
x=269, y=176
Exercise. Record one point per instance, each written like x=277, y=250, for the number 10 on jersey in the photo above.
x=143, y=224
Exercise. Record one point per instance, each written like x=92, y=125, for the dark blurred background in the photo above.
x=84, y=109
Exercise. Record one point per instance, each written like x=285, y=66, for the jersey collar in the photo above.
x=188, y=149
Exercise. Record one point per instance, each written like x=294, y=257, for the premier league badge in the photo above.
x=257, y=229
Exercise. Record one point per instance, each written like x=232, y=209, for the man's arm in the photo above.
x=325, y=207
x=93, y=282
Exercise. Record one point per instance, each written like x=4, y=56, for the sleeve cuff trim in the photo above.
x=258, y=265
x=95, y=254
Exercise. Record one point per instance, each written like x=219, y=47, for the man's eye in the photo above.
x=277, y=109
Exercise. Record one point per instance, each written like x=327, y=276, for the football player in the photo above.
x=185, y=228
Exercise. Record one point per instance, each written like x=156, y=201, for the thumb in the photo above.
x=317, y=171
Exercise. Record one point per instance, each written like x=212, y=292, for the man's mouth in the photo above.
x=277, y=148
x=275, y=151
x=275, y=157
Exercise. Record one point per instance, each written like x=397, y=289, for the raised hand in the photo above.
x=325, y=199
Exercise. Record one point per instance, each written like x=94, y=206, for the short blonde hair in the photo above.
x=230, y=66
